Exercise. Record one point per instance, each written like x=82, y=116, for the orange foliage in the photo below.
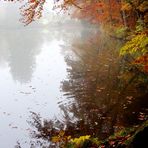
x=96, y=11
x=32, y=10
x=142, y=61
x=101, y=11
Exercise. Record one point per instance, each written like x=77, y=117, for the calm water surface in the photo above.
x=32, y=67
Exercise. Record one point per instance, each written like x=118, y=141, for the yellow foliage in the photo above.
x=59, y=137
x=138, y=48
x=126, y=7
x=61, y=133
x=144, y=6
x=137, y=45
x=80, y=140
x=55, y=139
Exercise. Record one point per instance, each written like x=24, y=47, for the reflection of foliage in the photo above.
x=56, y=133
x=98, y=105
x=94, y=83
x=90, y=84
x=56, y=137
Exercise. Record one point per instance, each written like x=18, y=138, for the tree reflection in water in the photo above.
x=99, y=101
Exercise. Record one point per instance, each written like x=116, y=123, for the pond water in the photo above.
x=63, y=78
x=32, y=67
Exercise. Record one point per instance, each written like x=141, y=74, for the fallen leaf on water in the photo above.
x=14, y=127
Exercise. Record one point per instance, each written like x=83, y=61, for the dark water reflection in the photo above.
x=31, y=68
x=99, y=101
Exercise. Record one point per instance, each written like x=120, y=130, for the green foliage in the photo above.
x=121, y=32
x=139, y=26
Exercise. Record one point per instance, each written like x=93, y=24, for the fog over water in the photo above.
x=32, y=66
